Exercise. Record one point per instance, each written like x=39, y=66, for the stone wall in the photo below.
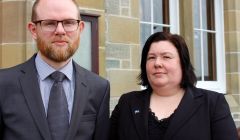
x=122, y=46
x=232, y=48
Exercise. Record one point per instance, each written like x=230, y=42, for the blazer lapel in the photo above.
x=139, y=110
x=80, y=98
x=31, y=91
x=189, y=104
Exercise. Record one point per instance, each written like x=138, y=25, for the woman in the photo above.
x=171, y=107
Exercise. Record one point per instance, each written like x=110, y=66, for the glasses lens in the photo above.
x=70, y=25
x=49, y=25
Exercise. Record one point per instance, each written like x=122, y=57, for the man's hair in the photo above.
x=34, y=11
x=188, y=76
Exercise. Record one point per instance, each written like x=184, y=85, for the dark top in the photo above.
x=157, y=128
x=201, y=115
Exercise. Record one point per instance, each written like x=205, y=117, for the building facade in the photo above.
x=116, y=30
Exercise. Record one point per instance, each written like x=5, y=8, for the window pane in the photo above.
x=158, y=12
x=210, y=15
x=83, y=54
x=145, y=32
x=157, y=28
x=197, y=54
x=204, y=14
x=209, y=56
x=145, y=10
x=196, y=14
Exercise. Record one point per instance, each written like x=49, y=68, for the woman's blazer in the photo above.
x=201, y=115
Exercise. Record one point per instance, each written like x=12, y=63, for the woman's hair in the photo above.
x=188, y=76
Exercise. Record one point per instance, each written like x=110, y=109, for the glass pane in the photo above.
x=145, y=32
x=196, y=8
x=197, y=54
x=83, y=55
x=204, y=14
x=145, y=10
x=210, y=15
x=157, y=28
x=158, y=11
x=209, y=56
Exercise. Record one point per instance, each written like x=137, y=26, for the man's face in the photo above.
x=58, y=45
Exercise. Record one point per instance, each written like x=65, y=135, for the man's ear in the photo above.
x=81, y=26
x=33, y=29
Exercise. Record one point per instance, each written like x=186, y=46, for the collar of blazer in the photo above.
x=140, y=107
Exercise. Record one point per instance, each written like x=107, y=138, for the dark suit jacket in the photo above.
x=22, y=115
x=201, y=115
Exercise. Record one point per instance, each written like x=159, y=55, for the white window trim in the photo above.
x=220, y=84
x=174, y=16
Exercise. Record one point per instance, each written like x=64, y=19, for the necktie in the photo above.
x=57, y=113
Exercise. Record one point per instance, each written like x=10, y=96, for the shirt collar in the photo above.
x=44, y=70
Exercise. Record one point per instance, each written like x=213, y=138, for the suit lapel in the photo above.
x=80, y=98
x=187, y=107
x=31, y=91
x=139, y=110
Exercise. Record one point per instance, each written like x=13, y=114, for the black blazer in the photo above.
x=201, y=115
x=22, y=115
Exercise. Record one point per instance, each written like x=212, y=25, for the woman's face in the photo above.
x=163, y=65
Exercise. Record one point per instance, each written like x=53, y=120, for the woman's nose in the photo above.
x=158, y=62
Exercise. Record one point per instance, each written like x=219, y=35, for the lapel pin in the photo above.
x=136, y=111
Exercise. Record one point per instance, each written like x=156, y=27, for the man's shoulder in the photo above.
x=12, y=72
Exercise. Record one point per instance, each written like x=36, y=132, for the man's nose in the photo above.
x=60, y=29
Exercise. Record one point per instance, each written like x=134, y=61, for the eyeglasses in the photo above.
x=69, y=25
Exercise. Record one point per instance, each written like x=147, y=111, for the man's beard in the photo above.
x=57, y=54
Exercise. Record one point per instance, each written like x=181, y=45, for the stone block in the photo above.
x=125, y=64
x=102, y=29
x=233, y=83
x=99, y=4
x=125, y=12
x=13, y=18
x=102, y=62
x=232, y=41
x=118, y=51
x=231, y=101
x=122, y=81
x=231, y=5
x=135, y=8
x=123, y=30
x=125, y=3
x=136, y=56
x=232, y=62
x=113, y=7
x=232, y=21
x=112, y=63
x=13, y=55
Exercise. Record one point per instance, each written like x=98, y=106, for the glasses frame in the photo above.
x=61, y=21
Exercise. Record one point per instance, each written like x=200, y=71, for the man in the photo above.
x=34, y=105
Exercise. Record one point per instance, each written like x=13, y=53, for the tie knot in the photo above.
x=57, y=76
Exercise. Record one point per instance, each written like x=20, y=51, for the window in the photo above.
x=87, y=53
x=208, y=48
x=158, y=15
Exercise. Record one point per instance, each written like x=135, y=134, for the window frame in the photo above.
x=93, y=19
x=173, y=17
x=220, y=84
